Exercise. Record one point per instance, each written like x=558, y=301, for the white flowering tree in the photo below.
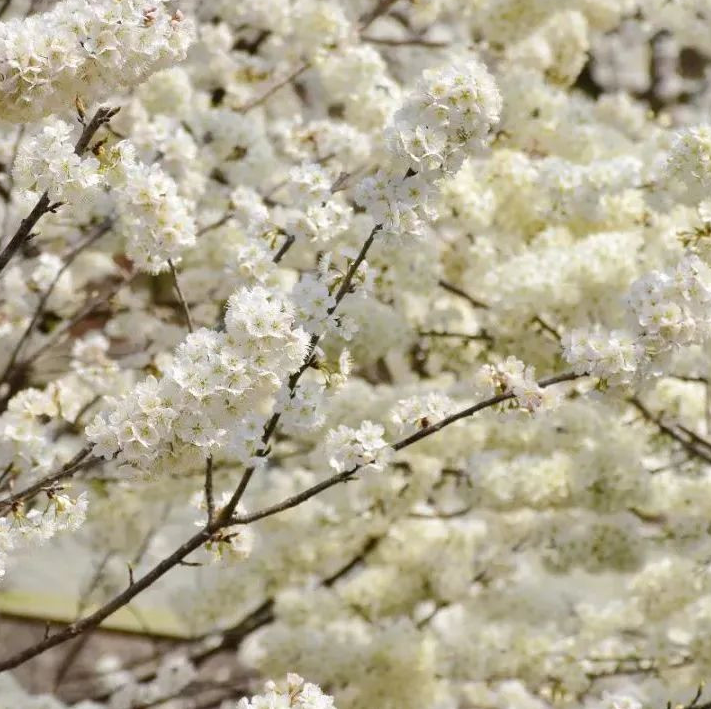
x=372, y=336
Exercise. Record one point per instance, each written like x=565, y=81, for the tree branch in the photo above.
x=209, y=496
x=93, y=620
x=347, y=475
x=690, y=444
x=226, y=512
x=221, y=521
x=79, y=461
x=87, y=310
x=380, y=9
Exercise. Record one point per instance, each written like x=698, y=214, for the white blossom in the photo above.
x=84, y=49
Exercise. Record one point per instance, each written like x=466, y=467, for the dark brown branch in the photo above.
x=93, y=620
x=209, y=495
x=264, y=613
x=215, y=225
x=695, y=437
x=346, y=284
x=408, y=42
x=76, y=649
x=288, y=243
x=425, y=432
x=456, y=335
x=81, y=460
x=5, y=5
x=227, y=511
x=24, y=231
x=87, y=310
x=5, y=475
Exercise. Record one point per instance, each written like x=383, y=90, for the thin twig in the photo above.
x=11, y=180
x=91, y=621
x=181, y=297
x=425, y=432
x=673, y=433
x=216, y=224
x=695, y=437
x=408, y=42
x=39, y=310
x=5, y=474
x=380, y=9
x=297, y=499
x=79, y=316
x=456, y=335
x=288, y=243
x=79, y=461
x=546, y=327
x=233, y=637
x=274, y=88
x=455, y=290
x=346, y=284
x=4, y=7
x=228, y=510
x=76, y=649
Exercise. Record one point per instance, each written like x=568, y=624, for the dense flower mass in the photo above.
x=448, y=117
x=361, y=339
x=155, y=219
x=210, y=394
x=49, y=163
x=84, y=48
x=295, y=692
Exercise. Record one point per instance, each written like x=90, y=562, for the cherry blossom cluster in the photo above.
x=513, y=376
x=321, y=215
x=447, y=118
x=613, y=356
x=687, y=169
x=669, y=309
x=209, y=396
x=20, y=529
x=156, y=221
x=47, y=162
x=294, y=693
x=466, y=469
x=85, y=49
x=362, y=448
